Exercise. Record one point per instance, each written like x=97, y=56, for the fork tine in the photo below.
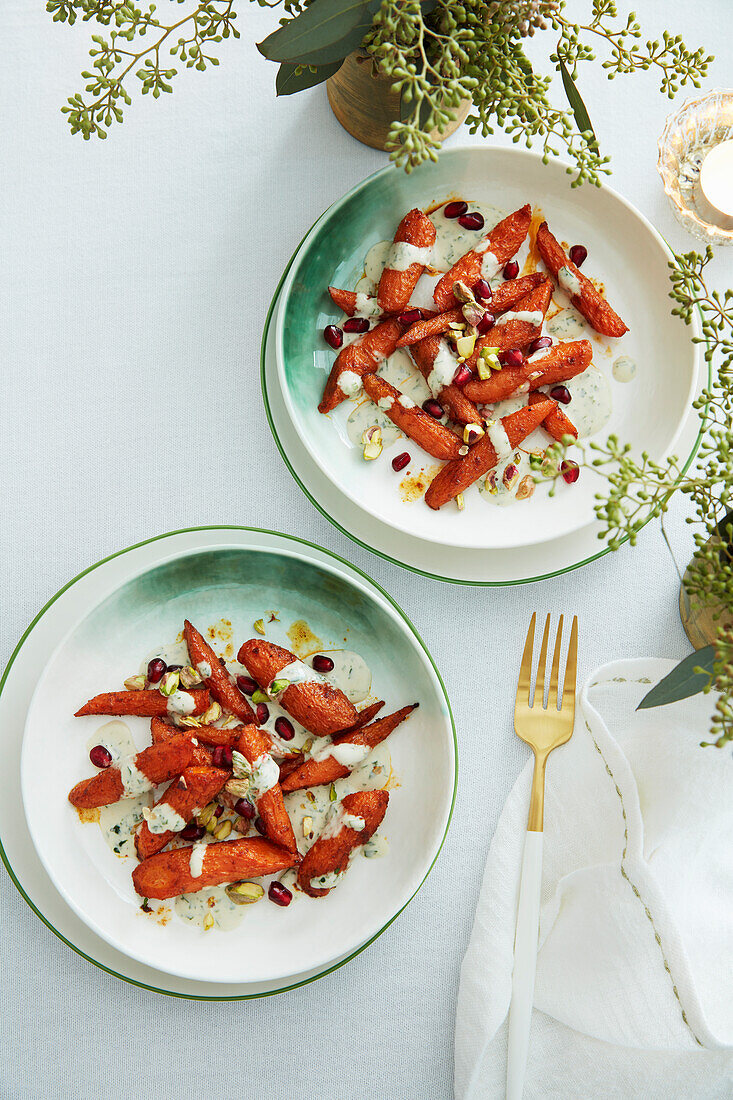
x=552, y=695
x=525, y=670
x=570, y=668
x=539, y=691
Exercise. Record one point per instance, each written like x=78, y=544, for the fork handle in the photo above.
x=525, y=961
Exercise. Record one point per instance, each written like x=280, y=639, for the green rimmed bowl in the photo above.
x=238, y=583
x=624, y=250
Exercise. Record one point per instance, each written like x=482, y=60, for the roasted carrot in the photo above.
x=557, y=423
x=505, y=297
x=156, y=764
x=360, y=358
x=415, y=231
x=255, y=746
x=147, y=704
x=557, y=364
x=449, y=396
x=455, y=477
x=489, y=256
x=314, y=773
x=319, y=706
x=517, y=328
x=160, y=731
x=365, y=716
x=215, y=676
x=349, y=302
x=185, y=796
x=360, y=815
x=588, y=300
x=425, y=430
x=168, y=874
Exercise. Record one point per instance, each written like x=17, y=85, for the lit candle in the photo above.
x=716, y=181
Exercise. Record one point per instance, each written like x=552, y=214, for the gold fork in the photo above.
x=544, y=726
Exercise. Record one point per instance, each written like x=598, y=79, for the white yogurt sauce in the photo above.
x=327, y=882
x=590, y=405
x=265, y=775
x=366, y=415
x=375, y=847
x=297, y=672
x=204, y=669
x=115, y=736
x=134, y=782
x=405, y=401
x=196, y=859
x=162, y=818
x=624, y=368
x=181, y=702
x=568, y=324
x=445, y=366
x=174, y=654
x=374, y=264
x=531, y=316
x=499, y=440
x=350, y=383
x=347, y=755
x=453, y=241
x=212, y=901
x=350, y=673
x=119, y=823
x=403, y=255
x=367, y=306
x=569, y=281
x=490, y=266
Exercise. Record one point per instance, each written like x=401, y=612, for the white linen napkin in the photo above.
x=634, y=988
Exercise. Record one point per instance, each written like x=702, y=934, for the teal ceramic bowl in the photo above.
x=231, y=588
x=624, y=251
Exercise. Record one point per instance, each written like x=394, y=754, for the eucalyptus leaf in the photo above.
x=576, y=102
x=289, y=80
x=323, y=33
x=682, y=681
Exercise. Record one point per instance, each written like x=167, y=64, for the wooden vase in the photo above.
x=366, y=106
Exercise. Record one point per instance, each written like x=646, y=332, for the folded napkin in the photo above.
x=634, y=988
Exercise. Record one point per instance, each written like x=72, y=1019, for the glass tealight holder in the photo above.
x=699, y=126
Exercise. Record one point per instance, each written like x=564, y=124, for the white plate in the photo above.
x=625, y=252
x=271, y=952
x=451, y=564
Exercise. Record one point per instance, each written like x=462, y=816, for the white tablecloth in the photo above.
x=134, y=280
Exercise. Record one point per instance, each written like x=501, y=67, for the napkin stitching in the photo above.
x=635, y=889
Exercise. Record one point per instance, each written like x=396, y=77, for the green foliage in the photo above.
x=689, y=677
x=639, y=489
x=437, y=53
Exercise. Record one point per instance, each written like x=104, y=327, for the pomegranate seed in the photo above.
x=540, y=342
x=570, y=472
x=321, y=663
x=356, y=324
x=462, y=375
x=561, y=394
x=400, y=461
x=512, y=358
x=100, y=757
x=410, y=317
x=481, y=289
x=246, y=685
x=333, y=336
x=486, y=322
x=156, y=668
x=260, y=826
x=433, y=408
x=192, y=832
x=262, y=712
x=284, y=728
x=221, y=757
x=511, y=270
x=455, y=209
x=218, y=810
x=279, y=894
x=245, y=808
x=578, y=254
x=474, y=220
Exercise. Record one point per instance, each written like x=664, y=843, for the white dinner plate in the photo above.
x=624, y=251
x=209, y=567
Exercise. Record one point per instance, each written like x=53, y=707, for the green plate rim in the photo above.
x=408, y=622
x=344, y=531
